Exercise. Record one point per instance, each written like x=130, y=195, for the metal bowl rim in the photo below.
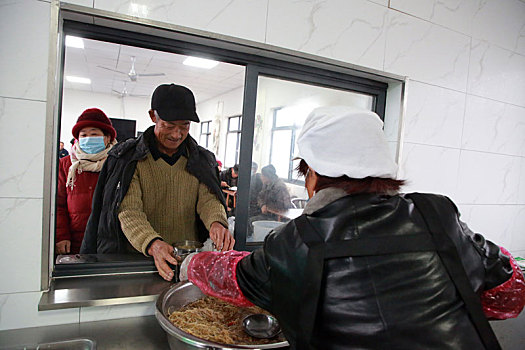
x=187, y=338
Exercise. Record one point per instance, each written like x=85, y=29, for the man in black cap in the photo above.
x=159, y=188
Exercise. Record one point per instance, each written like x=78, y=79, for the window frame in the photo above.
x=259, y=60
x=238, y=133
x=207, y=135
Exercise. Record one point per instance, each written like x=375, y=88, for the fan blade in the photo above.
x=151, y=75
x=113, y=70
x=116, y=91
x=133, y=95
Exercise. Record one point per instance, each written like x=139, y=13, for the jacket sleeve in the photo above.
x=63, y=230
x=503, y=295
x=215, y=273
x=89, y=242
x=507, y=299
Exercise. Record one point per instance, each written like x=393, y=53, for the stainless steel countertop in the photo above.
x=142, y=333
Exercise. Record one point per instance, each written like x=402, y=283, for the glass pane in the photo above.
x=108, y=84
x=231, y=148
x=277, y=195
x=281, y=146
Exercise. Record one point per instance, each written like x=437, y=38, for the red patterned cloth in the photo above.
x=507, y=299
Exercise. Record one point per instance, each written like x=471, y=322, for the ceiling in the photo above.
x=87, y=63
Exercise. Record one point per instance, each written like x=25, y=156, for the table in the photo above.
x=288, y=214
x=229, y=193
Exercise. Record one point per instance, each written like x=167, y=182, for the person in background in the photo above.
x=364, y=267
x=78, y=175
x=62, y=152
x=256, y=185
x=159, y=188
x=219, y=165
x=230, y=176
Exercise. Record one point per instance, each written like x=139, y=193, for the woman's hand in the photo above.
x=63, y=247
x=221, y=237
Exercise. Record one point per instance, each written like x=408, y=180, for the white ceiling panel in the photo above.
x=109, y=65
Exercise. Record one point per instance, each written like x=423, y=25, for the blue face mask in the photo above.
x=92, y=145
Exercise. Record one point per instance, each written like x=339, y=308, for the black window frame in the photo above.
x=207, y=134
x=257, y=62
x=238, y=133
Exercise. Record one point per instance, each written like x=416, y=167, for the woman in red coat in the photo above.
x=77, y=177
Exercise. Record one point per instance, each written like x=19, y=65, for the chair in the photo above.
x=299, y=203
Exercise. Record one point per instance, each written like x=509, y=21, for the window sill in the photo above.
x=112, y=289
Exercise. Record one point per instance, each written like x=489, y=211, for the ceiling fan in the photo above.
x=124, y=92
x=132, y=74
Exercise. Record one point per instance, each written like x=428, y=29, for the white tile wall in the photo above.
x=348, y=30
x=23, y=68
x=486, y=178
x=244, y=19
x=521, y=189
x=20, y=251
x=463, y=129
x=518, y=231
x=426, y=52
x=22, y=133
x=430, y=169
x=481, y=219
x=488, y=79
x=434, y=115
x=20, y=310
x=453, y=14
x=501, y=22
x=98, y=313
x=493, y=126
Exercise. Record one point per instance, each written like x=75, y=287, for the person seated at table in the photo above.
x=230, y=176
x=273, y=198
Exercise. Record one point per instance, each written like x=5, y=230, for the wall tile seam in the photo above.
x=437, y=86
x=463, y=149
x=494, y=100
x=19, y=197
x=428, y=21
x=22, y=98
x=491, y=43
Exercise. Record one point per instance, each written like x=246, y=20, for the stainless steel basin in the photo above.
x=178, y=295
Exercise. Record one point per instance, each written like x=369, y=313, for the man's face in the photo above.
x=234, y=174
x=61, y=145
x=169, y=135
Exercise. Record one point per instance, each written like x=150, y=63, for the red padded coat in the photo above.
x=73, y=204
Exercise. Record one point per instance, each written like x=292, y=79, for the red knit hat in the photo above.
x=94, y=117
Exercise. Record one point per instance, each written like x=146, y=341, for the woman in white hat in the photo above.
x=365, y=267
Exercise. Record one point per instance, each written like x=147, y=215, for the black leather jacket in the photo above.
x=399, y=301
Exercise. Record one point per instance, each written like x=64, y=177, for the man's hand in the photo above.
x=221, y=237
x=162, y=252
x=264, y=209
x=64, y=247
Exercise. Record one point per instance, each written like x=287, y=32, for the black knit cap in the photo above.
x=174, y=102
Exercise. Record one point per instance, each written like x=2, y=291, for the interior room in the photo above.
x=445, y=78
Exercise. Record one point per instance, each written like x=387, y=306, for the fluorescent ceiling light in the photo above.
x=74, y=41
x=200, y=62
x=79, y=80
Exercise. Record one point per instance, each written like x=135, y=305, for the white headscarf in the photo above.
x=341, y=140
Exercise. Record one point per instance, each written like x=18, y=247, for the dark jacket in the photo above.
x=275, y=196
x=398, y=301
x=103, y=232
x=226, y=176
x=73, y=204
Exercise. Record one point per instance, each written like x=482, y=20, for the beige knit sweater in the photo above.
x=163, y=201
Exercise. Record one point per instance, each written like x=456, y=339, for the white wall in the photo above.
x=74, y=102
x=465, y=126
